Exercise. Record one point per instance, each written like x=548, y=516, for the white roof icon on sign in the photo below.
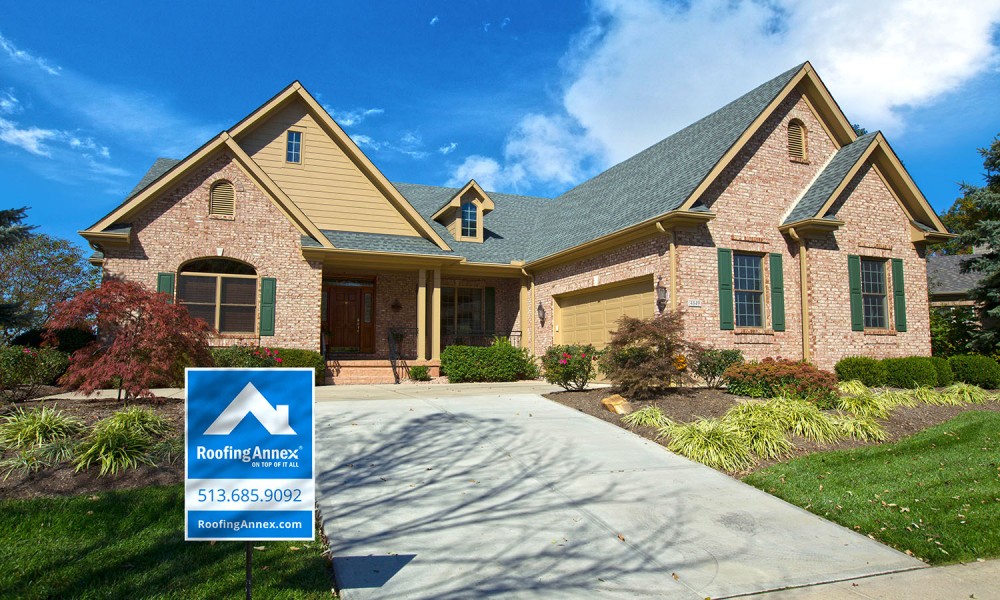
x=251, y=401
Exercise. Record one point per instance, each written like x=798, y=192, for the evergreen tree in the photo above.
x=985, y=233
x=12, y=231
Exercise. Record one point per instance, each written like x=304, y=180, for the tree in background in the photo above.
x=982, y=230
x=37, y=273
x=12, y=231
x=953, y=330
x=143, y=339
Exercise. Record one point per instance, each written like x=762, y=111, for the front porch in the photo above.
x=376, y=324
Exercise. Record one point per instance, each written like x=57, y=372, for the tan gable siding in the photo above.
x=327, y=186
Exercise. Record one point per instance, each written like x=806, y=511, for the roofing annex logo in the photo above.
x=251, y=402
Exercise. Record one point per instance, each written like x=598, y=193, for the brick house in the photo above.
x=770, y=223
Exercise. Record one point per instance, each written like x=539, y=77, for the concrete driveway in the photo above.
x=494, y=491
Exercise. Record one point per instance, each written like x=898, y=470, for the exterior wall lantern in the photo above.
x=541, y=314
x=661, y=294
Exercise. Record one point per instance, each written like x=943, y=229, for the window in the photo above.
x=293, y=149
x=873, y=293
x=222, y=199
x=797, y=150
x=221, y=292
x=469, y=220
x=461, y=311
x=748, y=290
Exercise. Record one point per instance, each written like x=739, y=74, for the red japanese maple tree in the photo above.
x=142, y=339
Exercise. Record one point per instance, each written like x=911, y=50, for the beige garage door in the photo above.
x=588, y=318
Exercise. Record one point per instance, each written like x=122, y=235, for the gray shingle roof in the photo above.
x=653, y=182
x=506, y=230
x=945, y=276
x=160, y=166
x=831, y=177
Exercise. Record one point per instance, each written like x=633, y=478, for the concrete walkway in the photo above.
x=493, y=491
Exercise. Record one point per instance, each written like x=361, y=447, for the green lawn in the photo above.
x=935, y=494
x=130, y=544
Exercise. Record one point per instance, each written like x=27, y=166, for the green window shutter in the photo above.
x=490, y=310
x=268, y=297
x=777, y=294
x=898, y=294
x=726, y=319
x=854, y=276
x=165, y=284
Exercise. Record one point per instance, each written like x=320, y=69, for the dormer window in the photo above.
x=463, y=213
x=470, y=220
x=293, y=147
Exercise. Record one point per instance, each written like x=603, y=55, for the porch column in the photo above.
x=436, y=316
x=525, y=309
x=422, y=314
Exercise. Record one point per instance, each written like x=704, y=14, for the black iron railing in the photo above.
x=480, y=338
x=396, y=337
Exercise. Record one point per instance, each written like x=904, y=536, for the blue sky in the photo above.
x=527, y=97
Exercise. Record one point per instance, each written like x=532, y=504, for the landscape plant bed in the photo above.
x=63, y=480
x=130, y=543
x=684, y=405
x=934, y=495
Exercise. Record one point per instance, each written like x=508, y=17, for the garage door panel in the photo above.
x=588, y=318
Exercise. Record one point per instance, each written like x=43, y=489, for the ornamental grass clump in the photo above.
x=965, y=393
x=763, y=427
x=135, y=418
x=25, y=462
x=712, y=442
x=806, y=420
x=893, y=398
x=648, y=416
x=866, y=429
x=853, y=388
x=928, y=395
x=115, y=449
x=42, y=424
x=868, y=405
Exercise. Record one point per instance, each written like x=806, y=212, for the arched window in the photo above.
x=470, y=217
x=220, y=291
x=222, y=199
x=797, y=141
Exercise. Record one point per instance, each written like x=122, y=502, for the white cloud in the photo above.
x=448, y=148
x=23, y=56
x=643, y=69
x=365, y=141
x=29, y=139
x=349, y=118
x=9, y=104
x=434, y=21
x=505, y=23
x=410, y=144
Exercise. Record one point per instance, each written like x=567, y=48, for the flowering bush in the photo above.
x=23, y=369
x=778, y=377
x=570, y=367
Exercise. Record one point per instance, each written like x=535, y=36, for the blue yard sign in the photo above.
x=249, y=469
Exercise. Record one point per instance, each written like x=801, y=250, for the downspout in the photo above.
x=803, y=290
x=672, y=261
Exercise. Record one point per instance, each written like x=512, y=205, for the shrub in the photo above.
x=41, y=425
x=420, y=373
x=945, y=376
x=63, y=340
x=646, y=355
x=712, y=442
x=570, y=367
x=246, y=356
x=778, y=377
x=143, y=338
x=501, y=361
x=298, y=358
x=911, y=372
x=868, y=371
x=648, y=416
x=711, y=364
x=976, y=370
x=23, y=369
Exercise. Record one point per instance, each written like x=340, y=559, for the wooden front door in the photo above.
x=351, y=319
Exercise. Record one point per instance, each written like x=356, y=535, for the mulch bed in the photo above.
x=63, y=480
x=684, y=405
